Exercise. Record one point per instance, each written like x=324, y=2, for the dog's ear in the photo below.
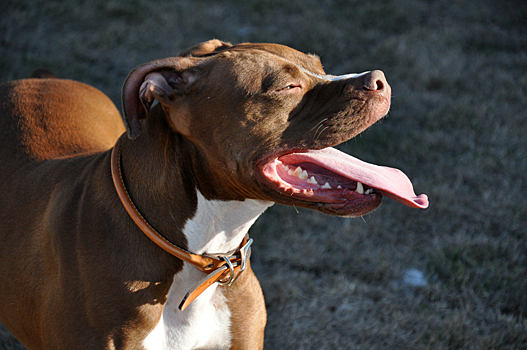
x=206, y=48
x=158, y=80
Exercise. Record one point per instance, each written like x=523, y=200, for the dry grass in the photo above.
x=459, y=78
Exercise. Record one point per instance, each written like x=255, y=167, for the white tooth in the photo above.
x=369, y=191
x=285, y=167
x=312, y=180
x=339, y=187
x=304, y=175
x=290, y=172
x=326, y=185
x=360, y=188
x=298, y=172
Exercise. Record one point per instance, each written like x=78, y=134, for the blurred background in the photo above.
x=453, y=276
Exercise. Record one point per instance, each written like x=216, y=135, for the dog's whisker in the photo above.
x=320, y=134
x=318, y=124
x=316, y=136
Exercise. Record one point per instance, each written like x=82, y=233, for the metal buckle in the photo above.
x=230, y=280
x=245, y=254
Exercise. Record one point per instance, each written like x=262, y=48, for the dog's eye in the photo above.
x=290, y=87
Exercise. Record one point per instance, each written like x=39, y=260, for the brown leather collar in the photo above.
x=221, y=268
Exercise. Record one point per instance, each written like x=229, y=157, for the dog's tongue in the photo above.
x=390, y=182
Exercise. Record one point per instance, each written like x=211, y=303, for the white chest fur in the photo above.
x=217, y=227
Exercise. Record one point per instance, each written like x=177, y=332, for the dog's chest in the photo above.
x=205, y=324
x=216, y=227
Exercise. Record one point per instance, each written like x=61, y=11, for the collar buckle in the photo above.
x=236, y=263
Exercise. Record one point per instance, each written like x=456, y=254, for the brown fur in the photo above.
x=76, y=272
x=76, y=119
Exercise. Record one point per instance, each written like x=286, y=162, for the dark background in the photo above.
x=453, y=276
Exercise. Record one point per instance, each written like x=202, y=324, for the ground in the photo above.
x=453, y=276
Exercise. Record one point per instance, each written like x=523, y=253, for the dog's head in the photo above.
x=262, y=119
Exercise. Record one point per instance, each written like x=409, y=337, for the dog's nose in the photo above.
x=375, y=81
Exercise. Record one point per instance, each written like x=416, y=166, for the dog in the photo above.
x=138, y=239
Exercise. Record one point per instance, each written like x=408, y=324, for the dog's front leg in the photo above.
x=249, y=317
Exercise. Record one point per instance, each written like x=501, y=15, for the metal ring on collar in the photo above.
x=231, y=278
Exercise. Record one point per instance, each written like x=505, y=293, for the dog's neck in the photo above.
x=219, y=226
x=166, y=181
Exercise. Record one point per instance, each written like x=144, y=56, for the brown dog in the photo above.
x=237, y=128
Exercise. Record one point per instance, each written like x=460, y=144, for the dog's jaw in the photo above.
x=317, y=186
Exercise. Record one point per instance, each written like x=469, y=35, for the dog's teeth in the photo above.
x=339, y=187
x=326, y=185
x=312, y=180
x=297, y=171
x=360, y=188
x=290, y=172
x=301, y=174
x=369, y=191
x=285, y=168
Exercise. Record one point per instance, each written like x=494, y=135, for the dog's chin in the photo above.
x=351, y=209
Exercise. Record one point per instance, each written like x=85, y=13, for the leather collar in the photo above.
x=221, y=268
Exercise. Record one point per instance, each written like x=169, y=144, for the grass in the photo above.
x=457, y=123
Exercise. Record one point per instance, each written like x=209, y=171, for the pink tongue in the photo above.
x=389, y=182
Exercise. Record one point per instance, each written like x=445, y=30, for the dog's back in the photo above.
x=42, y=119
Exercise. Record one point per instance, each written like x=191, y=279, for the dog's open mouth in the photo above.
x=346, y=184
